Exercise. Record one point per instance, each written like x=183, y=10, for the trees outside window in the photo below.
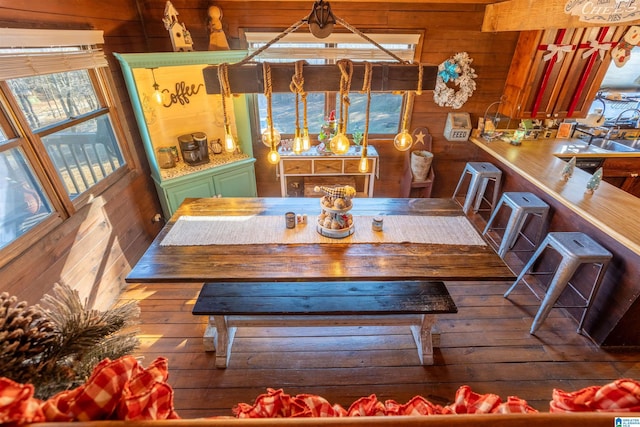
x=60, y=141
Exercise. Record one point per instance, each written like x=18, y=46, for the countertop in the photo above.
x=611, y=209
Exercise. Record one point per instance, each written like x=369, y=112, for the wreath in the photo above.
x=456, y=69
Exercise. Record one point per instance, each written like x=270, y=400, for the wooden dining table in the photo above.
x=312, y=261
x=254, y=276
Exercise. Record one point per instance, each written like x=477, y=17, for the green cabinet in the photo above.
x=184, y=108
x=234, y=180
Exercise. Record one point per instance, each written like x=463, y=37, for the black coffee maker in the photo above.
x=194, y=148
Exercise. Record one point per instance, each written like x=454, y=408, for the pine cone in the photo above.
x=24, y=335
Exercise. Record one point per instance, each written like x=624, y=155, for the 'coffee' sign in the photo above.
x=604, y=11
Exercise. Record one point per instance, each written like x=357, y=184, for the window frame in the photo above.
x=29, y=142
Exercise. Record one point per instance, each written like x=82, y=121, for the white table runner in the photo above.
x=255, y=230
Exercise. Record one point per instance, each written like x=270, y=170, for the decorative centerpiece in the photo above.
x=334, y=220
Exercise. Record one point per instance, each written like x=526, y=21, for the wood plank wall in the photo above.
x=448, y=27
x=93, y=250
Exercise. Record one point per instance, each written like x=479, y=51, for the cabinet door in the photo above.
x=541, y=85
x=175, y=194
x=621, y=167
x=239, y=182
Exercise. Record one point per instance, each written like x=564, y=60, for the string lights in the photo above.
x=225, y=91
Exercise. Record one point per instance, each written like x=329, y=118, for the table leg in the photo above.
x=422, y=336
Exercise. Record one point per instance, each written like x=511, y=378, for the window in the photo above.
x=620, y=90
x=386, y=108
x=59, y=139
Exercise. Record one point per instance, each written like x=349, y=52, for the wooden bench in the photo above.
x=332, y=303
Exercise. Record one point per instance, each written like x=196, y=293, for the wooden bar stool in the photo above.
x=575, y=249
x=481, y=173
x=522, y=205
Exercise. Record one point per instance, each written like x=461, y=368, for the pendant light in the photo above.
x=225, y=92
x=273, y=157
x=270, y=136
x=363, y=165
x=301, y=140
x=403, y=140
x=157, y=95
x=339, y=144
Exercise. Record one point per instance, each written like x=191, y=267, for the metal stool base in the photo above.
x=522, y=205
x=576, y=249
x=481, y=173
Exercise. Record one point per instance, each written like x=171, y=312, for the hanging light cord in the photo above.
x=225, y=89
x=276, y=39
x=268, y=90
x=410, y=95
x=346, y=73
x=354, y=30
x=366, y=88
x=297, y=86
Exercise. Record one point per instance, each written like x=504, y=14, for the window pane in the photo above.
x=84, y=154
x=284, y=112
x=3, y=137
x=385, y=113
x=23, y=204
x=53, y=98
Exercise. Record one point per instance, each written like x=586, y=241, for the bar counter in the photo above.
x=609, y=215
x=612, y=210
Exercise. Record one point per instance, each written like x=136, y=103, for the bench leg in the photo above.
x=422, y=336
x=223, y=340
x=210, y=335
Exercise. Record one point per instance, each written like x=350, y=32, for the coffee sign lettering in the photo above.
x=604, y=11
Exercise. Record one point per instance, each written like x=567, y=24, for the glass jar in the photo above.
x=166, y=159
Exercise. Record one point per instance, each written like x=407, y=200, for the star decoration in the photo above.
x=420, y=137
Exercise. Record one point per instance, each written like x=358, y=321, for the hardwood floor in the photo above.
x=486, y=345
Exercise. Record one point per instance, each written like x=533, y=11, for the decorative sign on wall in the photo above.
x=181, y=94
x=604, y=11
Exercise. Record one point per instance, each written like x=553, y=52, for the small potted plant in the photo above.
x=357, y=137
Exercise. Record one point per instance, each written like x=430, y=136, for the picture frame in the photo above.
x=565, y=130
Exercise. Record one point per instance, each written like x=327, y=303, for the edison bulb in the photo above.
x=339, y=144
x=266, y=137
x=273, y=157
x=229, y=143
x=297, y=145
x=363, y=165
x=306, y=141
x=403, y=140
x=157, y=96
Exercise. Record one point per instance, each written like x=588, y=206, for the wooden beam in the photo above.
x=521, y=15
x=385, y=77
